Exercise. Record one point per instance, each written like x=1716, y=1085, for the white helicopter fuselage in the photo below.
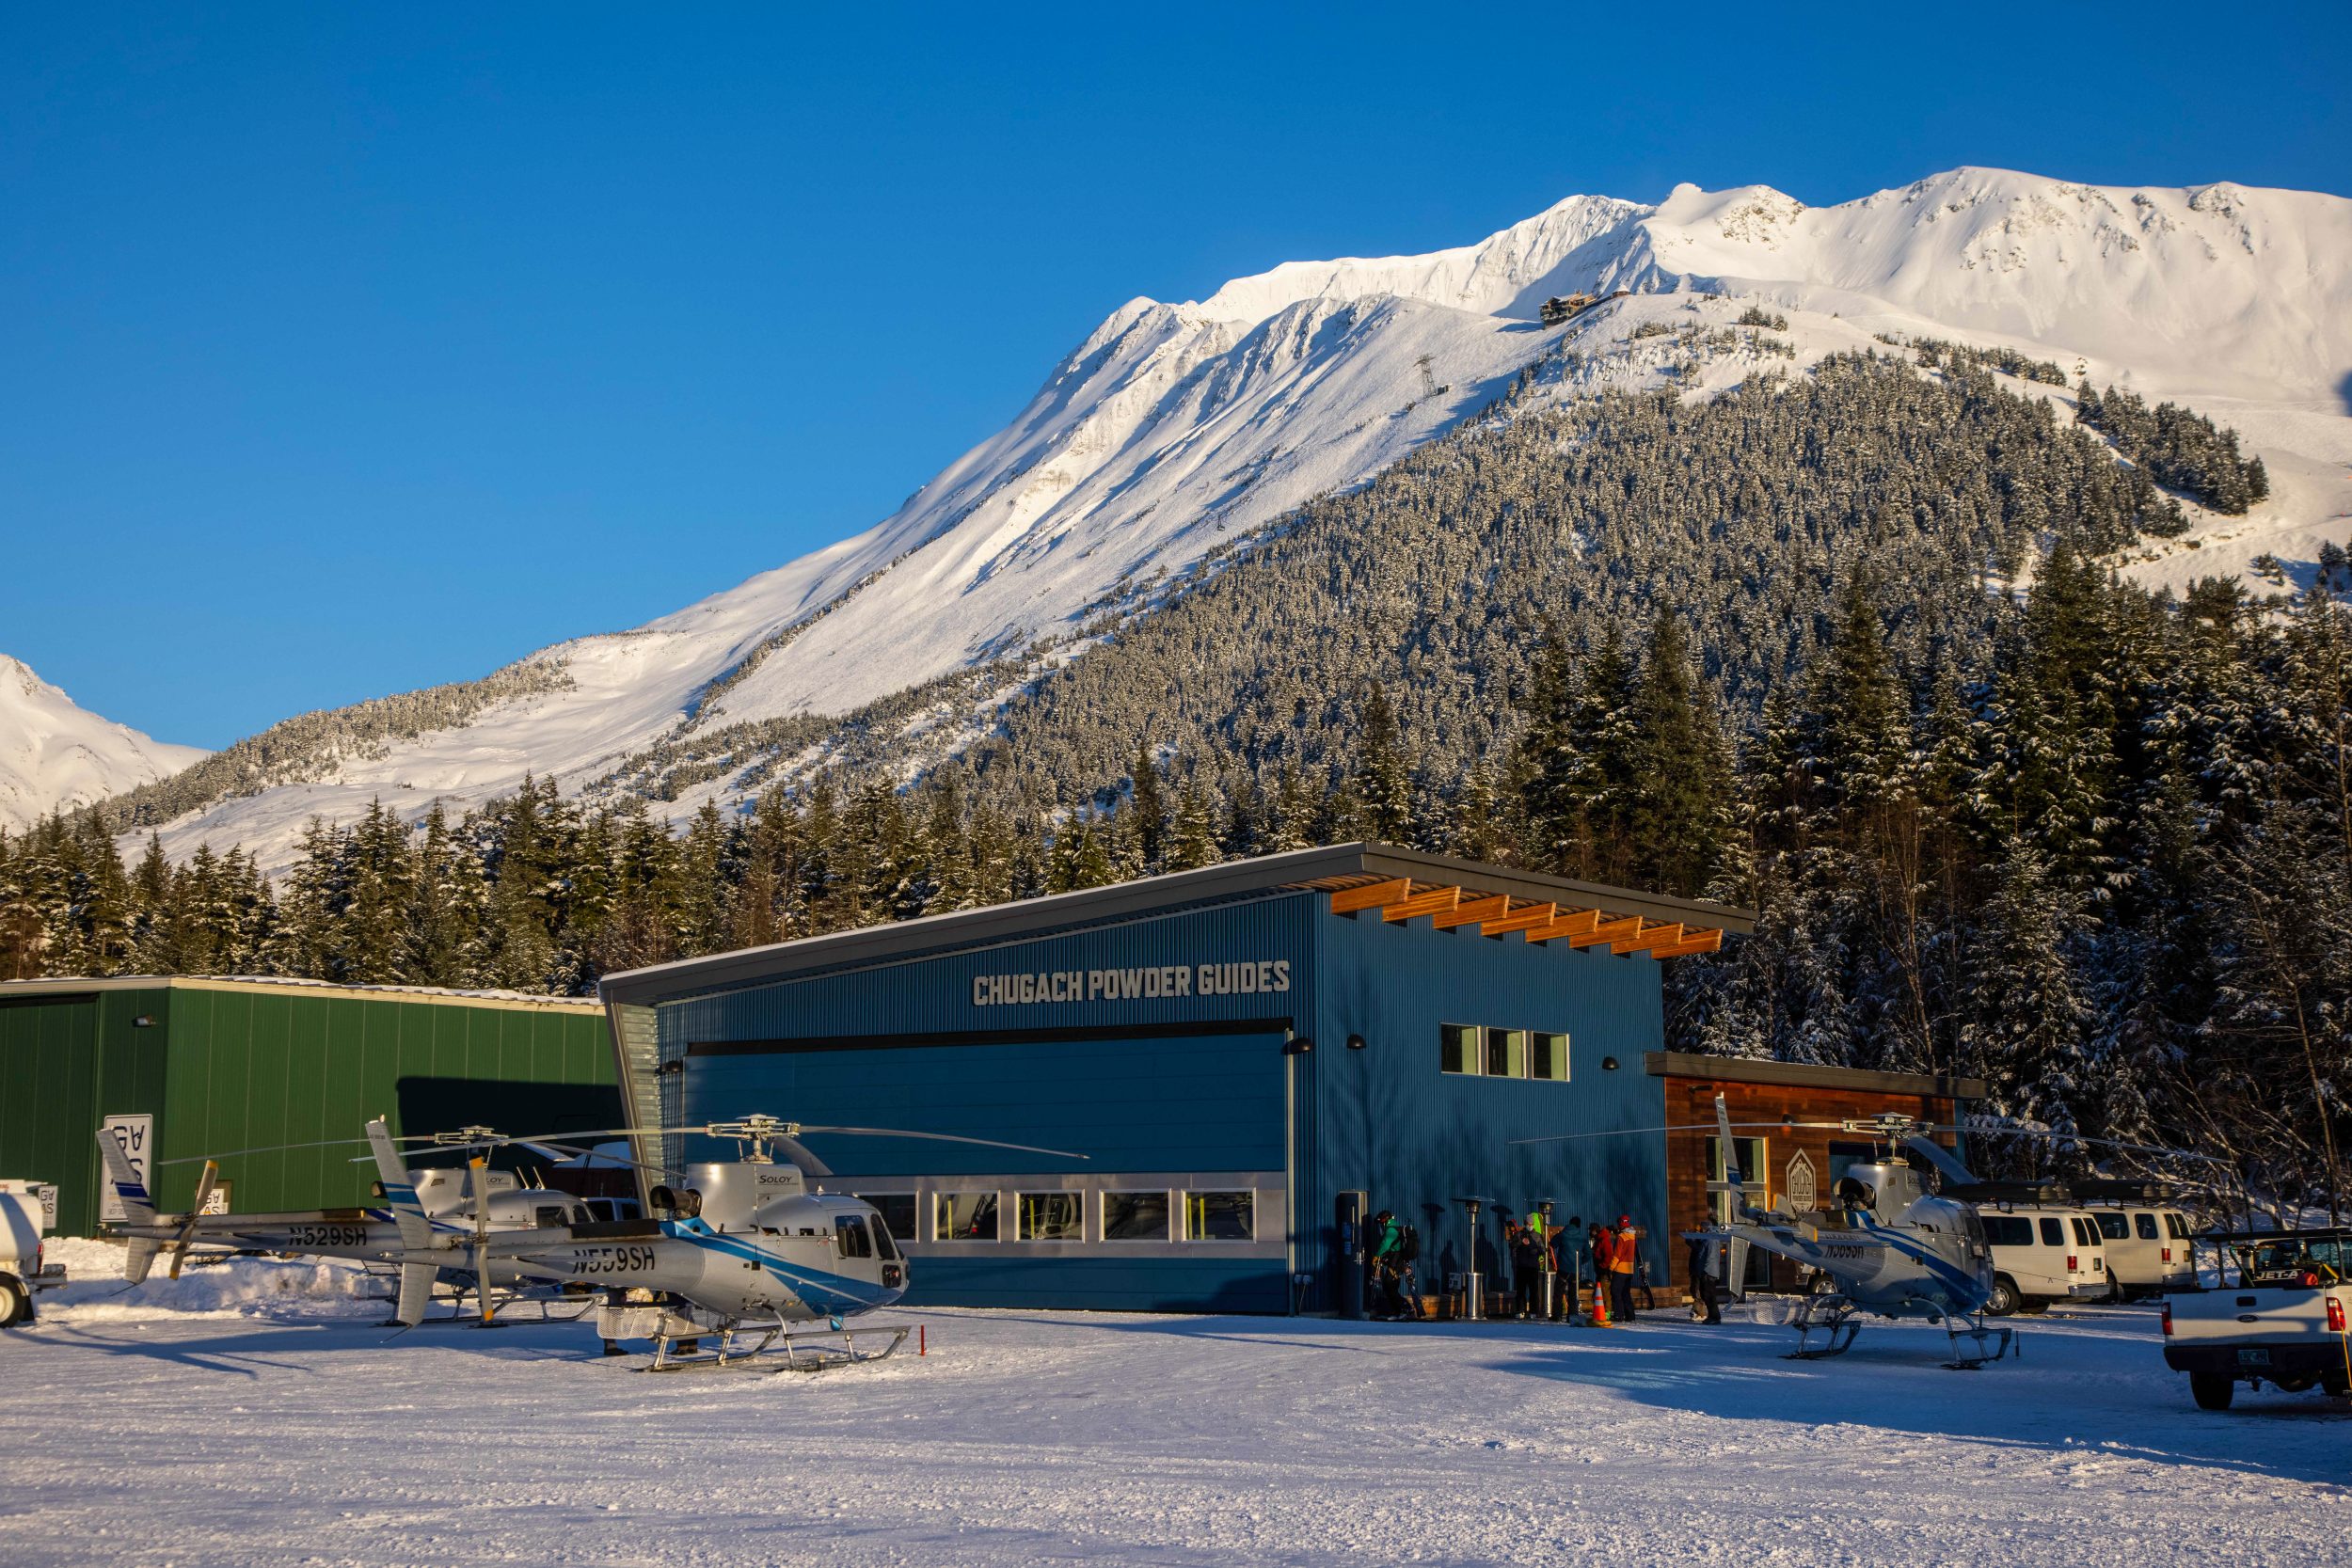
x=1930, y=1260
x=757, y=1247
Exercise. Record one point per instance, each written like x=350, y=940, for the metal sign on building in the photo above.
x=1802, y=1187
x=137, y=1135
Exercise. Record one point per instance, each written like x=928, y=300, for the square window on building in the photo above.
x=1220, y=1216
x=1458, y=1048
x=896, y=1211
x=1548, y=1056
x=1506, y=1052
x=963, y=1217
x=1051, y=1217
x=1134, y=1216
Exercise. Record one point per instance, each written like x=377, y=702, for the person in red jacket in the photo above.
x=1621, y=1260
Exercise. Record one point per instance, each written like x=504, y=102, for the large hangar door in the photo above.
x=1156, y=1100
x=1182, y=1202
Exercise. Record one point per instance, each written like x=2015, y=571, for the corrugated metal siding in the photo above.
x=65, y=1063
x=250, y=1069
x=224, y=1069
x=1386, y=1120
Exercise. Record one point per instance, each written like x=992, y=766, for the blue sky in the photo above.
x=346, y=349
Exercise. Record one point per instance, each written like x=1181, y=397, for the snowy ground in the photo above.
x=240, y=1423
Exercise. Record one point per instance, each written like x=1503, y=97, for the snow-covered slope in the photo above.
x=1173, y=427
x=53, y=754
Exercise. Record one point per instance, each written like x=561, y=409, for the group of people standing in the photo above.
x=1609, y=1256
x=1612, y=1254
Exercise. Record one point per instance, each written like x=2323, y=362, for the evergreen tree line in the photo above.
x=2111, y=874
x=2087, y=843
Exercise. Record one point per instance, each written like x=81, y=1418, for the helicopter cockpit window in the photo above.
x=848, y=1233
x=964, y=1218
x=549, y=1214
x=884, y=1243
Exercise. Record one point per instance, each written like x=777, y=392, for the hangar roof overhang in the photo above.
x=1807, y=1075
x=1396, y=883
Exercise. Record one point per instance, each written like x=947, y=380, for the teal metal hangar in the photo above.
x=1242, y=1054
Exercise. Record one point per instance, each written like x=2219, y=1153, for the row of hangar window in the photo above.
x=1477, y=1051
x=1140, y=1216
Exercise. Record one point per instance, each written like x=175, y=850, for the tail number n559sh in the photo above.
x=612, y=1259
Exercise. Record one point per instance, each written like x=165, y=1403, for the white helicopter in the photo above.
x=1889, y=1246
x=468, y=1202
x=743, y=1249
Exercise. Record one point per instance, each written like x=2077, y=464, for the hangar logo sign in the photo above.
x=1150, y=983
x=1803, y=1189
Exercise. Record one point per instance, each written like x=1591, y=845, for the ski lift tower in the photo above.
x=1473, y=1285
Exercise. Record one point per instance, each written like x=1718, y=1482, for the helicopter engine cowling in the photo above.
x=1885, y=1187
x=735, y=1194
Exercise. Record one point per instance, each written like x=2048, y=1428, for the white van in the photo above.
x=2147, y=1252
x=2044, y=1254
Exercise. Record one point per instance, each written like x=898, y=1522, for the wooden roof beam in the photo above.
x=1434, y=900
x=1525, y=918
x=1709, y=940
x=1469, y=911
x=1369, y=896
x=1650, y=939
x=1607, y=931
x=1569, y=922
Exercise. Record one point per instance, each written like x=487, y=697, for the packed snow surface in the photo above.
x=56, y=754
x=1174, y=427
x=271, y=1434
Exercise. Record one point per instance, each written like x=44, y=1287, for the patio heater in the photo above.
x=1473, y=1282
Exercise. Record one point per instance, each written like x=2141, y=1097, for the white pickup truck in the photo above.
x=2279, y=1317
x=25, y=1210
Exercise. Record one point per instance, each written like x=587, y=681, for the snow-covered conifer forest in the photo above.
x=1844, y=643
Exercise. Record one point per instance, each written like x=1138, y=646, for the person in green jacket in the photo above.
x=1388, y=1240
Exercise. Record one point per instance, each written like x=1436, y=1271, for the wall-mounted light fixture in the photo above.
x=142, y=1021
x=671, y=1068
x=1609, y=1063
x=1355, y=1042
x=1298, y=1045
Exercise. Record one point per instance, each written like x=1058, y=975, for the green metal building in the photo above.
x=215, y=1066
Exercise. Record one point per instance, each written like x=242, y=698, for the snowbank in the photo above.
x=236, y=1286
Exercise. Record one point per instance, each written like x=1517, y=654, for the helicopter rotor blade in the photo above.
x=800, y=1156
x=942, y=1138
x=1632, y=1132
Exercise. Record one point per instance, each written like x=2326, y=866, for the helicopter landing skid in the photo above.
x=798, y=1352
x=1831, y=1317
x=1973, y=1344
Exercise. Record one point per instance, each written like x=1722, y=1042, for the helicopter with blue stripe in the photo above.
x=1885, y=1244
x=741, y=1252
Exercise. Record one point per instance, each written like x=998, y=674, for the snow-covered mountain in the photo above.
x=1173, y=428
x=55, y=754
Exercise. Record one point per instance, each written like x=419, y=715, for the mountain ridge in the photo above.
x=1174, y=428
x=56, y=754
